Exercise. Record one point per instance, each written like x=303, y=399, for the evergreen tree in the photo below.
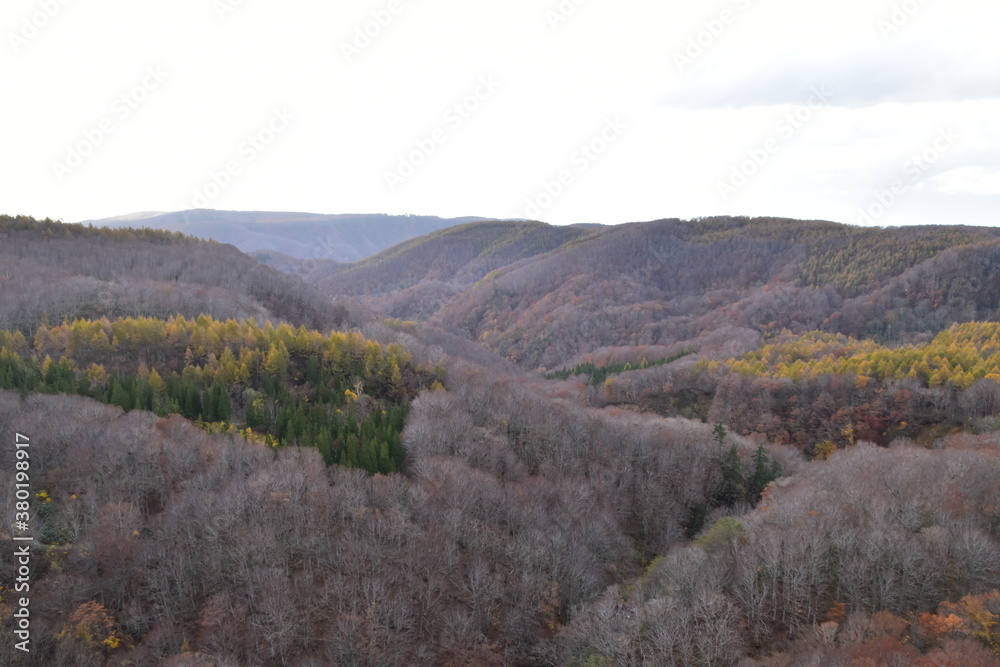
x=190, y=402
x=312, y=373
x=733, y=487
x=720, y=434
x=765, y=471
x=324, y=444
x=349, y=453
x=385, y=464
x=396, y=452
x=119, y=395
x=223, y=406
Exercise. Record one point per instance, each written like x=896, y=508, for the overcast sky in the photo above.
x=879, y=112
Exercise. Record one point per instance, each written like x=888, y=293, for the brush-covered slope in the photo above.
x=54, y=270
x=458, y=256
x=551, y=294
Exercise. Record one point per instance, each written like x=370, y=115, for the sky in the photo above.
x=873, y=112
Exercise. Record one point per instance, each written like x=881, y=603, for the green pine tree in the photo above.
x=733, y=487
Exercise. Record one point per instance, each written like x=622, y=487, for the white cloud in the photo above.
x=975, y=180
x=353, y=120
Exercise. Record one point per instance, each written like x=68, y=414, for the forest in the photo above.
x=818, y=391
x=58, y=271
x=729, y=442
x=598, y=375
x=339, y=393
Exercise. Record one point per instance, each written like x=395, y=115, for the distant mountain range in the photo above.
x=542, y=296
x=305, y=236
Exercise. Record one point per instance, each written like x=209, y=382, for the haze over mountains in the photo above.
x=341, y=238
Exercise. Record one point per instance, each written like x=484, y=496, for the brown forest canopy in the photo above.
x=54, y=270
x=543, y=295
x=698, y=488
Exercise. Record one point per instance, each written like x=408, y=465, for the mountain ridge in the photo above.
x=567, y=290
x=340, y=237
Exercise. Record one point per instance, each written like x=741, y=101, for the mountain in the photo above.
x=543, y=296
x=637, y=310
x=768, y=442
x=414, y=278
x=459, y=255
x=342, y=238
x=53, y=271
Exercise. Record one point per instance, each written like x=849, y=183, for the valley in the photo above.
x=718, y=441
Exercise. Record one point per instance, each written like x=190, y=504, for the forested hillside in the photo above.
x=54, y=270
x=668, y=281
x=342, y=394
x=821, y=391
x=830, y=569
x=755, y=442
x=412, y=279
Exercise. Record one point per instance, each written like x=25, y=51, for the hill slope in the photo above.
x=665, y=282
x=460, y=255
x=413, y=279
x=58, y=271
